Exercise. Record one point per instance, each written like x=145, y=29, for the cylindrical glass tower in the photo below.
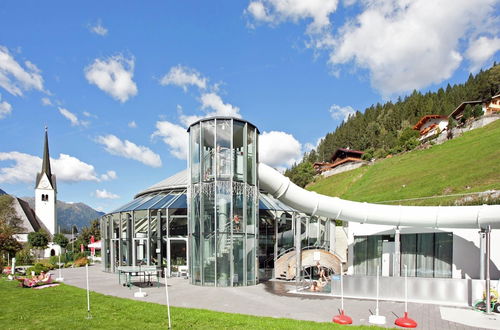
x=223, y=202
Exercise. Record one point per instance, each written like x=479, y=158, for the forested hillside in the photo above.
x=385, y=128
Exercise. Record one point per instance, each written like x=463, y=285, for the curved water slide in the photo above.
x=313, y=203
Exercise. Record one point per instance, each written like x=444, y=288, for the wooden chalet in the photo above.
x=430, y=124
x=340, y=157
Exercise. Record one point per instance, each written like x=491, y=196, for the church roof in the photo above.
x=30, y=221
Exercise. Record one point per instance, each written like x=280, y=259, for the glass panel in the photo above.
x=153, y=225
x=223, y=149
x=179, y=203
x=444, y=254
x=238, y=219
x=141, y=251
x=239, y=261
x=313, y=231
x=195, y=268
x=251, y=214
x=151, y=202
x=408, y=254
x=208, y=159
x=425, y=255
x=251, y=154
x=177, y=254
x=125, y=253
x=374, y=254
x=285, y=233
x=360, y=255
x=194, y=134
x=125, y=219
x=208, y=259
x=164, y=202
x=238, y=131
x=178, y=226
x=250, y=248
x=116, y=225
x=141, y=224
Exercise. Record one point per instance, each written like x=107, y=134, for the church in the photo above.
x=44, y=217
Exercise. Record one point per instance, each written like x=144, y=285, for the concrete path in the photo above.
x=272, y=299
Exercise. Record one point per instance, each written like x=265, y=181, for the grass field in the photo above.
x=469, y=163
x=65, y=307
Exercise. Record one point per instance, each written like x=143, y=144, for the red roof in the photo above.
x=424, y=119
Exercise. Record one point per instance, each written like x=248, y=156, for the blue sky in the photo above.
x=117, y=82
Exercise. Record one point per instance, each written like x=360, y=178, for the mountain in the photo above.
x=3, y=192
x=68, y=214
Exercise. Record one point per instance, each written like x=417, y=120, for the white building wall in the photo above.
x=466, y=260
x=46, y=210
x=442, y=124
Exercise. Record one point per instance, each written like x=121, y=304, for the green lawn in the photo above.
x=65, y=307
x=469, y=163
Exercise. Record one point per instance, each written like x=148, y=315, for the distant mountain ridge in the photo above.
x=68, y=214
x=3, y=192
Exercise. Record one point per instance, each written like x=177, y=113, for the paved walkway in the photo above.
x=272, y=299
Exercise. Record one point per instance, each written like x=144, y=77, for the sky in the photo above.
x=118, y=82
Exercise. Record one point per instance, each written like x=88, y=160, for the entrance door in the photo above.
x=177, y=254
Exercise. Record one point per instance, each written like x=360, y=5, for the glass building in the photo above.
x=211, y=218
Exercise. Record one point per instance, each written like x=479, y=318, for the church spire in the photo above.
x=46, y=162
x=46, y=157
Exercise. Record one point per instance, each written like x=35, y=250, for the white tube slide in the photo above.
x=313, y=203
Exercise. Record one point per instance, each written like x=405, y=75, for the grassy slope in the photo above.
x=472, y=159
x=65, y=307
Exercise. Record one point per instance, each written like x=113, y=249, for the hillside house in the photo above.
x=493, y=106
x=342, y=157
x=429, y=125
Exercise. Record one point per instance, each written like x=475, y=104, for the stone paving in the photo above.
x=270, y=299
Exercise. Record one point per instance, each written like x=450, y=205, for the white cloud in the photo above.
x=72, y=118
x=175, y=136
x=183, y=77
x=109, y=175
x=213, y=105
x=98, y=29
x=66, y=168
x=481, y=50
x=132, y=124
x=114, y=76
x=338, y=112
x=130, y=150
x=277, y=11
x=105, y=194
x=404, y=45
x=14, y=78
x=214, y=102
x=46, y=101
x=279, y=149
x=5, y=108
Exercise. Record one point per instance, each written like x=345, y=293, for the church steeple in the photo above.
x=46, y=192
x=46, y=162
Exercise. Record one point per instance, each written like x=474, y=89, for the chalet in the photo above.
x=429, y=125
x=458, y=113
x=342, y=156
x=493, y=106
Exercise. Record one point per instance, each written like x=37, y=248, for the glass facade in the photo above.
x=223, y=202
x=424, y=254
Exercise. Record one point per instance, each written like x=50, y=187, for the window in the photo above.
x=427, y=254
x=45, y=198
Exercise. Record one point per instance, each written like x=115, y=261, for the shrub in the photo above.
x=68, y=264
x=65, y=257
x=38, y=268
x=79, y=255
x=47, y=264
x=24, y=257
x=81, y=262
